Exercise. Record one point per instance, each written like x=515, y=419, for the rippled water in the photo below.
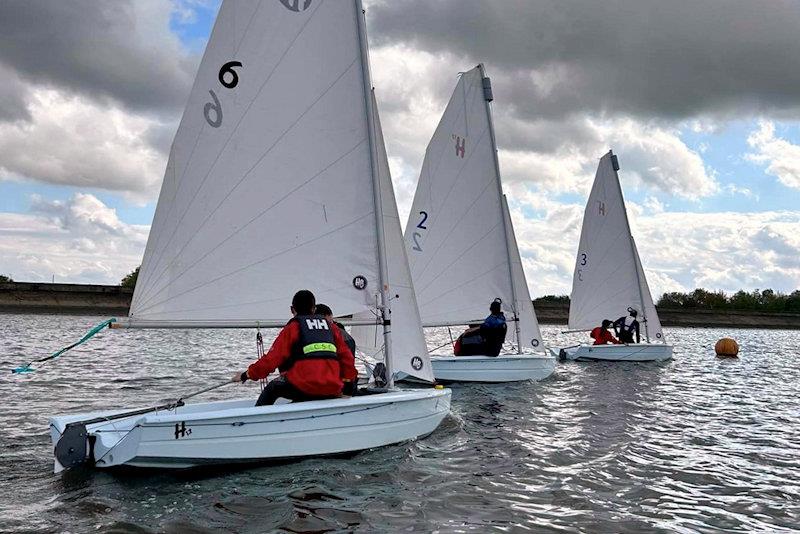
x=698, y=444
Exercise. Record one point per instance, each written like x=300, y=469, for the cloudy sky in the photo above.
x=700, y=100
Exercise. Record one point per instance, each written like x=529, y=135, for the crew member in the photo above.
x=487, y=338
x=325, y=311
x=350, y=386
x=626, y=327
x=311, y=353
x=602, y=336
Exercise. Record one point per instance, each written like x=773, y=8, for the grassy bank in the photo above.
x=558, y=313
x=25, y=297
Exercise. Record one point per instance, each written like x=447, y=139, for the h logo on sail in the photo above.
x=460, y=145
x=317, y=324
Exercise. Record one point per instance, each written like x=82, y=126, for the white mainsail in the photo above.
x=280, y=179
x=608, y=275
x=270, y=185
x=459, y=238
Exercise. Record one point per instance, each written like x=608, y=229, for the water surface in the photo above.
x=698, y=444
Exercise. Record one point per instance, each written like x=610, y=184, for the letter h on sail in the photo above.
x=460, y=145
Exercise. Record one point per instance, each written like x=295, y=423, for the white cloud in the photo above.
x=559, y=155
x=781, y=157
x=679, y=250
x=75, y=141
x=80, y=240
x=734, y=189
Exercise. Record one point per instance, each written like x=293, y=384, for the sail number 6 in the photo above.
x=228, y=82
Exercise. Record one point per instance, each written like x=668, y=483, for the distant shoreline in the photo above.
x=85, y=299
x=556, y=313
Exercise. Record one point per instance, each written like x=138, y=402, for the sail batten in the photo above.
x=608, y=276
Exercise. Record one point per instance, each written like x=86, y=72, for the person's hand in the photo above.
x=239, y=377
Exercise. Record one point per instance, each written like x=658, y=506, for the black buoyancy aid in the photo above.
x=315, y=342
x=630, y=328
x=348, y=339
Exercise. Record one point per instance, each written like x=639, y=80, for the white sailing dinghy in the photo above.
x=277, y=180
x=609, y=278
x=461, y=245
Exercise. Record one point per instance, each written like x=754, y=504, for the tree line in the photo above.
x=766, y=300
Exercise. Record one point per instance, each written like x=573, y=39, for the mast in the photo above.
x=376, y=193
x=615, y=166
x=486, y=100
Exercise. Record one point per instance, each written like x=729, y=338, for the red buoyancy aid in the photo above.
x=602, y=337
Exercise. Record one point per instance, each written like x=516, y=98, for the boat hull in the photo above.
x=490, y=369
x=229, y=432
x=638, y=352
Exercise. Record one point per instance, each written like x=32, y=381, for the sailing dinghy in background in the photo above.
x=277, y=180
x=609, y=278
x=461, y=245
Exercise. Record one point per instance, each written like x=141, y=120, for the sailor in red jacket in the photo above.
x=602, y=336
x=311, y=354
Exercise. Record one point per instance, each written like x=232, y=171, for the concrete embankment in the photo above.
x=25, y=297
x=553, y=313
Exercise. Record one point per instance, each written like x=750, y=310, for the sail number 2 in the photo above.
x=416, y=235
x=228, y=82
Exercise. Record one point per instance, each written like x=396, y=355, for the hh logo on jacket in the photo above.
x=317, y=324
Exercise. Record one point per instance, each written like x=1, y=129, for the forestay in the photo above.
x=268, y=188
x=458, y=244
x=608, y=275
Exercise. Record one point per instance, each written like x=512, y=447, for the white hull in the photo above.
x=637, y=352
x=491, y=369
x=235, y=431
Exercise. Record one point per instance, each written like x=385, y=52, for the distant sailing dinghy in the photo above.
x=277, y=180
x=461, y=244
x=609, y=278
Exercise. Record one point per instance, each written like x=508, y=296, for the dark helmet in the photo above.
x=496, y=305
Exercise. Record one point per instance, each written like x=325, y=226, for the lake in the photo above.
x=697, y=444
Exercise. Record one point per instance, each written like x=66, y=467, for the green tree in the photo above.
x=5, y=279
x=560, y=299
x=130, y=279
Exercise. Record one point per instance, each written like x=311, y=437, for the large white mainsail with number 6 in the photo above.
x=609, y=278
x=277, y=181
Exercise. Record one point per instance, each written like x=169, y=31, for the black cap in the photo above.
x=495, y=306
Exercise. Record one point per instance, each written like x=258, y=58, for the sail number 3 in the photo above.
x=582, y=263
x=416, y=235
x=229, y=79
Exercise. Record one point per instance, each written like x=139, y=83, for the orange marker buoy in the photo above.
x=727, y=347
